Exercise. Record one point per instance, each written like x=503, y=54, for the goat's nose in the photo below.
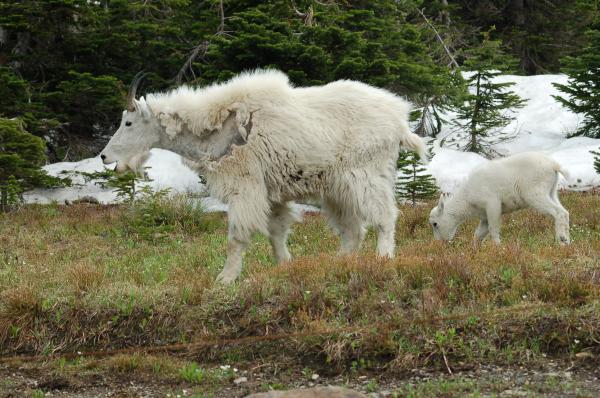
x=102, y=157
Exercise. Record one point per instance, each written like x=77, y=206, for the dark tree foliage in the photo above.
x=583, y=88
x=69, y=61
x=21, y=157
x=539, y=33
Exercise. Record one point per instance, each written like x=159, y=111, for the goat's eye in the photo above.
x=434, y=224
x=127, y=123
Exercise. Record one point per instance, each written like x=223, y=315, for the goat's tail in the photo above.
x=561, y=170
x=413, y=142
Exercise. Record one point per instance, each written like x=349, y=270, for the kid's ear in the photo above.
x=443, y=197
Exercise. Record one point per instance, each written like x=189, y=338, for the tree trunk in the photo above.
x=445, y=14
x=473, y=147
x=517, y=12
x=518, y=17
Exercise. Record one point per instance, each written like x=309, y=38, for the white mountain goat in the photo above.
x=261, y=143
x=500, y=186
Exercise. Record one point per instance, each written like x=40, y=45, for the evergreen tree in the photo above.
x=486, y=109
x=13, y=93
x=583, y=88
x=21, y=156
x=368, y=41
x=412, y=183
x=596, y=160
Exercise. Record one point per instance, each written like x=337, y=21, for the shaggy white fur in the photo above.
x=261, y=143
x=523, y=180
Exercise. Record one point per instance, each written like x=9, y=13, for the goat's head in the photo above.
x=138, y=133
x=443, y=222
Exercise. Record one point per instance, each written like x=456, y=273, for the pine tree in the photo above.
x=412, y=183
x=13, y=192
x=21, y=157
x=583, y=88
x=123, y=184
x=596, y=160
x=486, y=109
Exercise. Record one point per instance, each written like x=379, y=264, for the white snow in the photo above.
x=541, y=125
x=164, y=168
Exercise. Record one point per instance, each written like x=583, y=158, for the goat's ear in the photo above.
x=243, y=118
x=142, y=107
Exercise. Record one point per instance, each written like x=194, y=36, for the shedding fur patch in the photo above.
x=205, y=109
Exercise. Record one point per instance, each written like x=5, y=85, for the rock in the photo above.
x=513, y=393
x=83, y=199
x=584, y=355
x=314, y=376
x=240, y=380
x=317, y=392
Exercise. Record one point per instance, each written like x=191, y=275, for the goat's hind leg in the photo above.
x=382, y=213
x=560, y=215
x=493, y=211
x=352, y=233
x=561, y=220
x=282, y=216
x=349, y=227
x=548, y=204
x=480, y=233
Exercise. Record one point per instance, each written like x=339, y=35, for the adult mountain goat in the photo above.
x=262, y=143
x=516, y=182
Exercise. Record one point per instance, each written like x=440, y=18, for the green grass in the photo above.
x=95, y=277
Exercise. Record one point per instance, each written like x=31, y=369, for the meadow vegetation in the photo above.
x=88, y=277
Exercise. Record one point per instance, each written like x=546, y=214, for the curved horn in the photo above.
x=132, y=89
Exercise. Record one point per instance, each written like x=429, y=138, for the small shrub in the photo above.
x=123, y=184
x=155, y=214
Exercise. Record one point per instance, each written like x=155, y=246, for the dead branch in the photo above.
x=453, y=62
x=308, y=16
x=201, y=50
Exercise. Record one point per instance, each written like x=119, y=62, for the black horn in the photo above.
x=132, y=89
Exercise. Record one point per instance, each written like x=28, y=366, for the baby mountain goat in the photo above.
x=524, y=180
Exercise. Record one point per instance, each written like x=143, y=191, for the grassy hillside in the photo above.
x=87, y=277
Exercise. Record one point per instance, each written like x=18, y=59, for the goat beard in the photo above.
x=135, y=164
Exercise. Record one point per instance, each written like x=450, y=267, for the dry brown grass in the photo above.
x=75, y=278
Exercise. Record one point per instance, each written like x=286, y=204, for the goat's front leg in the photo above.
x=236, y=246
x=480, y=233
x=493, y=212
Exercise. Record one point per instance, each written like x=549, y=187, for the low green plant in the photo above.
x=123, y=184
x=155, y=214
x=192, y=373
x=37, y=393
x=372, y=386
